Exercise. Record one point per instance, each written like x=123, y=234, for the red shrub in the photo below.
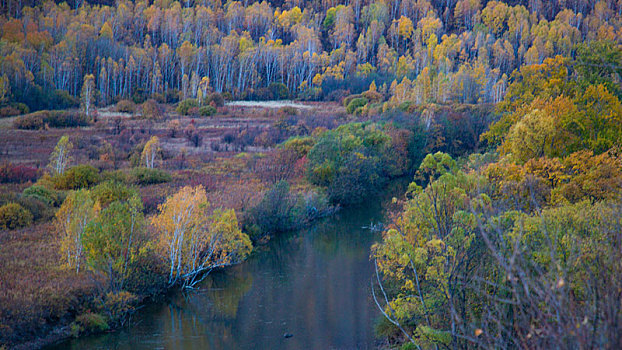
x=11, y=173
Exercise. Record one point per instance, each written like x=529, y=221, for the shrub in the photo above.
x=66, y=119
x=21, y=107
x=8, y=111
x=89, y=323
x=119, y=305
x=54, y=119
x=171, y=96
x=80, y=176
x=114, y=176
x=109, y=191
x=279, y=90
x=152, y=110
x=337, y=95
x=63, y=100
x=10, y=173
x=373, y=96
x=184, y=106
x=287, y=111
x=346, y=101
x=193, y=111
x=38, y=192
x=39, y=209
x=355, y=104
x=275, y=212
x=126, y=106
x=13, y=215
x=146, y=176
x=227, y=96
x=28, y=122
x=215, y=99
x=207, y=111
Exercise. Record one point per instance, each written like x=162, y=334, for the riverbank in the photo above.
x=311, y=283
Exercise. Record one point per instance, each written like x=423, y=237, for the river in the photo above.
x=312, y=284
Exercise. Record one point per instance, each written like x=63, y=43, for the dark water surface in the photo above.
x=313, y=283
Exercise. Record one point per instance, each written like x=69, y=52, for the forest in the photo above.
x=128, y=167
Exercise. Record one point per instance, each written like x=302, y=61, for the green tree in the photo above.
x=72, y=219
x=113, y=240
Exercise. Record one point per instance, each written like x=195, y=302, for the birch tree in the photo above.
x=71, y=221
x=60, y=157
x=113, y=240
x=88, y=94
x=151, y=152
x=194, y=243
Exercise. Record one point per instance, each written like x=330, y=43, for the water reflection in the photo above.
x=313, y=283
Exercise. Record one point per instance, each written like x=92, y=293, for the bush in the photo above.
x=126, y=106
x=355, y=104
x=89, y=323
x=276, y=212
x=114, y=176
x=227, y=96
x=287, y=111
x=28, y=122
x=119, y=305
x=10, y=173
x=207, y=111
x=63, y=100
x=8, y=111
x=21, y=107
x=108, y=192
x=279, y=90
x=38, y=192
x=39, y=209
x=350, y=162
x=80, y=176
x=337, y=95
x=54, y=119
x=13, y=215
x=346, y=101
x=184, y=106
x=146, y=176
x=152, y=110
x=193, y=111
x=373, y=96
x=66, y=119
x=215, y=99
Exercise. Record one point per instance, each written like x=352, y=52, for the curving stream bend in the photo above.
x=312, y=284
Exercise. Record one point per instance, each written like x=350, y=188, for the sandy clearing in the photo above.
x=268, y=104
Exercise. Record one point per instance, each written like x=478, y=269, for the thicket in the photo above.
x=53, y=119
x=13, y=215
x=518, y=247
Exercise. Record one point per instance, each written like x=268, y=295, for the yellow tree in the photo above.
x=72, y=218
x=532, y=136
x=151, y=152
x=203, y=89
x=194, y=243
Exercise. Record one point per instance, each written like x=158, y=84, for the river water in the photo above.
x=312, y=284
